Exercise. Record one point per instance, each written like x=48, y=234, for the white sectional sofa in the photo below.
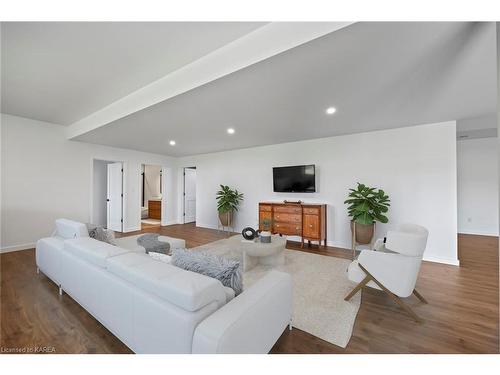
x=155, y=307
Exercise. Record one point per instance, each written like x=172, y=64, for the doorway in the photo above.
x=189, y=195
x=151, y=195
x=107, y=194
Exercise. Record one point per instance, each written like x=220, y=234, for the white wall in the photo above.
x=416, y=166
x=45, y=176
x=477, y=176
x=100, y=192
x=497, y=24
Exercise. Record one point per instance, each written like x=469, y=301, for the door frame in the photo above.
x=91, y=185
x=163, y=178
x=121, y=197
x=184, y=194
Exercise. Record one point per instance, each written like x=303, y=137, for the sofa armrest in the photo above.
x=251, y=322
x=379, y=245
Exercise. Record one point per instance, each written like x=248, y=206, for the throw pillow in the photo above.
x=101, y=234
x=106, y=235
x=227, y=271
x=92, y=229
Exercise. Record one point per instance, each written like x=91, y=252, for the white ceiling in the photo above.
x=477, y=127
x=377, y=75
x=61, y=72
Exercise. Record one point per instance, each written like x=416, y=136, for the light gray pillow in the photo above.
x=91, y=228
x=227, y=271
x=101, y=234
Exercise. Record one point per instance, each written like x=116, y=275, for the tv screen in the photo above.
x=296, y=179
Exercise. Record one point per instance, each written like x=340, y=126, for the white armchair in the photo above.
x=392, y=266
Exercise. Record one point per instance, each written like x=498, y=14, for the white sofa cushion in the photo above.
x=188, y=290
x=229, y=293
x=93, y=251
x=70, y=229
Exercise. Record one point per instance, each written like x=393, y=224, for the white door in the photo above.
x=164, y=197
x=189, y=195
x=115, y=197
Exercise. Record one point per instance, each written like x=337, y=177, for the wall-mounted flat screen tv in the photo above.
x=295, y=179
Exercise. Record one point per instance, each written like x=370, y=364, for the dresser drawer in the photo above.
x=289, y=229
x=288, y=209
x=265, y=207
x=287, y=218
x=311, y=210
x=311, y=226
x=154, y=210
x=306, y=220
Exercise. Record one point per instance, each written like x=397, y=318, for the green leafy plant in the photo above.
x=228, y=199
x=366, y=205
x=266, y=224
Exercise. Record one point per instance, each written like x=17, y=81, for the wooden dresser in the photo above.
x=154, y=209
x=296, y=219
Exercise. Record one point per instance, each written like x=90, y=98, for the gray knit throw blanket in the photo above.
x=149, y=242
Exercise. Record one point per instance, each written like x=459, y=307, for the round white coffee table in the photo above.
x=256, y=252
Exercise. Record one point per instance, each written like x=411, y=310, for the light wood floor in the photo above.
x=461, y=317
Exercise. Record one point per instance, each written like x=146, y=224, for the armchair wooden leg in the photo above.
x=419, y=296
x=394, y=297
x=358, y=288
x=404, y=306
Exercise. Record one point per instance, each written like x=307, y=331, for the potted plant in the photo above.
x=366, y=205
x=228, y=201
x=265, y=234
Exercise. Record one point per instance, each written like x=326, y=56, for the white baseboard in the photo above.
x=133, y=229
x=478, y=233
x=171, y=222
x=341, y=245
x=26, y=246
x=453, y=262
x=203, y=225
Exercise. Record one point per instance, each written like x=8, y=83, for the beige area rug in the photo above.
x=319, y=286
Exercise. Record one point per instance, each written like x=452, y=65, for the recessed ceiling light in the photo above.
x=230, y=131
x=331, y=110
x=172, y=143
